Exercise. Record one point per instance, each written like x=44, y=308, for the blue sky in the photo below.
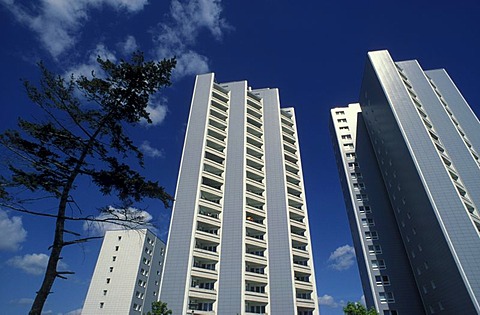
x=313, y=51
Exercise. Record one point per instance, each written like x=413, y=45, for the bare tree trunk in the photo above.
x=51, y=272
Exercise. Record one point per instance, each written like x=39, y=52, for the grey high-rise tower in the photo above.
x=410, y=171
x=239, y=239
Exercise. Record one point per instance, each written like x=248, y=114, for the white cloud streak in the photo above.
x=189, y=18
x=91, y=66
x=34, y=264
x=129, y=45
x=74, y=312
x=13, y=233
x=22, y=301
x=328, y=300
x=342, y=258
x=58, y=23
x=150, y=151
x=138, y=219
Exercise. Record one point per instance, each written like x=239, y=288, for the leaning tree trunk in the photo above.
x=51, y=273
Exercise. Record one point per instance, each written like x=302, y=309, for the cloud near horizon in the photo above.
x=130, y=218
x=34, y=264
x=328, y=300
x=13, y=233
x=342, y=258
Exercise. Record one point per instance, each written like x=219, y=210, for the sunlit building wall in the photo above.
x=239, y=239
x=127, y=275
x=409, y=167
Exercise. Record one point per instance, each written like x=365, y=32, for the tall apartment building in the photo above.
x=127, y=276
x=239, y=239
x=410, y=172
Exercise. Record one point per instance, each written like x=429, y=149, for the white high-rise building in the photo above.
x=239, y=239
x=127, y=276
x=409, y=163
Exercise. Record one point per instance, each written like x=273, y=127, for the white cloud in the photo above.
x=342, y=258
x=129, y=45
x=138, y=219
x=328, y=300
x=190, y=63
x=75, y=312
x=157, y=109
x=189, y=18
x=86, y=69
x=34, y=264
x=58, y=23
x=22, y=301
x=13, y=233
x=150, y=151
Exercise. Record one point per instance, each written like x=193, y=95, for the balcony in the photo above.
x=289, y=139
x=292, y=167
x=199, y=271
x=254, y=141
x=215, y=112
x=254, y=112
x=213, y=170
x=222, y=105
x=208, y=218
x=217, y=134
x=216, y=144
x=260, y=243
x=215, y=156
x=254, y=151
x=289, y=147
x=213, y=196
x=217, y=123
x=299, y=238
x=300, y=253
x=290, y=157
x=254, y=101
x=254, y=132
x=296, y=211
x=288, y=130
x=294, y=200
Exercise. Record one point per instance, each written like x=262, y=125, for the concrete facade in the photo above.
x=239, y=239
x=127, y=275
x=414, y=144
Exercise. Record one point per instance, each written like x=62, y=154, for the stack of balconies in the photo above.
x=204, y=275
x=256, y=279
x=298, y=228
x=467, y=202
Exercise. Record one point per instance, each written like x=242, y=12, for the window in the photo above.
x=364, y=209
x=378, y=264
x=353, y=165
x=356, y=175
x=342, y=120
x=340, y=113
x=108, y=280
x=102, y=304
x=111, y=269
x=344, y=128
x=361, y=197
x=426, y=265
x=114, y=258
x=104, y=292
x=386, y=297
x=119, y=238
x=371, y=235
x=367, y=222
x=346, y=137
x=116, y=248
x=348, y=146
x=350, y=155
x=358, y=186
x=382, y=280
x=374, y=249
x=433, y=285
